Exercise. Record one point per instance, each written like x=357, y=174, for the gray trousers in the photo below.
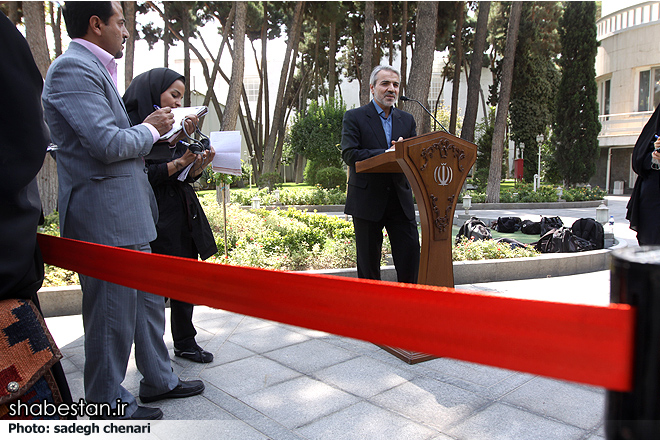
x=114, y=317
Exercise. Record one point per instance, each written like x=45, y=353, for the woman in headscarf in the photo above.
x=644, y=204
x=183, y=230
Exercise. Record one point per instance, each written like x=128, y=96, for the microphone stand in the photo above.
x=405, y=98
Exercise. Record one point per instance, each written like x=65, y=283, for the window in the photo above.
x=251, y=84
x=605, y=109
x=649, y=89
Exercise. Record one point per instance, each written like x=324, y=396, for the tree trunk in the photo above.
x=35, y=30
x=12, y=14
x=35, y=33
x=166, y=35
x=185, y=29
x=458, y=62
x=495, y=171
x=270, y=152
x=391, y=33
x=56, y=26
x=129, y=55
x=474, y=80
x=238, y=63
x=367, y=51
x=422, y=62
x=332, y=53
x=404, y=49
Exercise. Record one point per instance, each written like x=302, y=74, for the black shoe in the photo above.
x=183, y=389
x=141, y=413
x=195, y=354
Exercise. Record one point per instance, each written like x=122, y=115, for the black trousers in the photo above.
x=404, y=239
x=183, y=330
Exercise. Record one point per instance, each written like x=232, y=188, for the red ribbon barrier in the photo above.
x=581, y=343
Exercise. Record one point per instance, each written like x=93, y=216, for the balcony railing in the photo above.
x=633, y=16
x=623, y=124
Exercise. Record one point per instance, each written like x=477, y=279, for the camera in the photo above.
x=196, y=146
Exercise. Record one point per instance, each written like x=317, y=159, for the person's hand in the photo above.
x=394, y=143
x=162, y=120
x=203, y=160
x=655, y=154
x=190, y=124
x=185, y=160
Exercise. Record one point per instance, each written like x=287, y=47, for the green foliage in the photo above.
x=270, y=180
x=316, y=132
x=484, y=145
x=535, y=79
x=576, y=119
x=291, y=196
x=488, y=250
x=524, y=193
x=331, y=177
x=311, y=168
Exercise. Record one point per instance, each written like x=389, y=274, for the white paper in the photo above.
x=227, y=146
x=179, y=114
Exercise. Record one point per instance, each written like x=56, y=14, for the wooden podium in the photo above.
x=436, y=165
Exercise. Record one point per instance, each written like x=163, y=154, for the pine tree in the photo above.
x=576, y=119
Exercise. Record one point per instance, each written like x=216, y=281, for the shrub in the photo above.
x=270, y=180
x=331, y=177
x=488, y=250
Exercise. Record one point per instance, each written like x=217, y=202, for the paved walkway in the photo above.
x=275, y=381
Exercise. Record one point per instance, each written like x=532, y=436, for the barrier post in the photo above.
x=635, y=280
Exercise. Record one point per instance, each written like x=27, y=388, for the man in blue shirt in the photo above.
x=377, y=200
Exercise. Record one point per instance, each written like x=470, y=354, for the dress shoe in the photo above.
x=141, y=413
x=195, y=354
x=183, y=389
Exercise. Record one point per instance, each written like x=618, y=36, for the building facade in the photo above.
x=628, y=76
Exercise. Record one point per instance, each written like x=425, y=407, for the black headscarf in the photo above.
x=641, y=163
x=145, y=90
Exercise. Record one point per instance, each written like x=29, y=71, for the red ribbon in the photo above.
x=581, y=343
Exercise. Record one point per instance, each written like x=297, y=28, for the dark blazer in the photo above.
x=363, y=137
x=23, y=142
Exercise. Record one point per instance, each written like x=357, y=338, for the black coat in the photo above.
x=644, y=205
x=23, y=141
x=183, y=229
x=363, y=137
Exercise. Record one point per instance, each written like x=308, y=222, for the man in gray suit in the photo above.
x=105, y=197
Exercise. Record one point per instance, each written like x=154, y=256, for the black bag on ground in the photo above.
x=589, y=229
x=548, y=223
x=508, y=224
x=562, y=240
x=530, y=228
x=511, y=242
x=474, y=228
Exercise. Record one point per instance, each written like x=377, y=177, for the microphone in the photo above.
x=405, y=98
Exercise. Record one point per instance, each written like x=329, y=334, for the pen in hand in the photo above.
x=156, y=107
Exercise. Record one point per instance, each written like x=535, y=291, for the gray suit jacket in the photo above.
x=104, y=193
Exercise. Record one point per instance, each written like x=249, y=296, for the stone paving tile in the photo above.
x=249, y=415
x=365, y=421
x=249, y=323
x=221, y=429
x=192, y=408
x=226, y=352
x=310, y=356
x=247, y=376
x=503, y=422
x=264, y=339
x=431, y=402
x=299, y=401
x=576, y=405
x=363, y=376
x=480, y=375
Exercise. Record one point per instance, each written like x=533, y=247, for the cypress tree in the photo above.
x=576, y=119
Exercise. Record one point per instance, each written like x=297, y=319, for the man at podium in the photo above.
x=377, y=200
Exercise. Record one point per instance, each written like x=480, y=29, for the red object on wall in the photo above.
x=518, y=169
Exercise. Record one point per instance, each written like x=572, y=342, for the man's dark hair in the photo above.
x=77, y=15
